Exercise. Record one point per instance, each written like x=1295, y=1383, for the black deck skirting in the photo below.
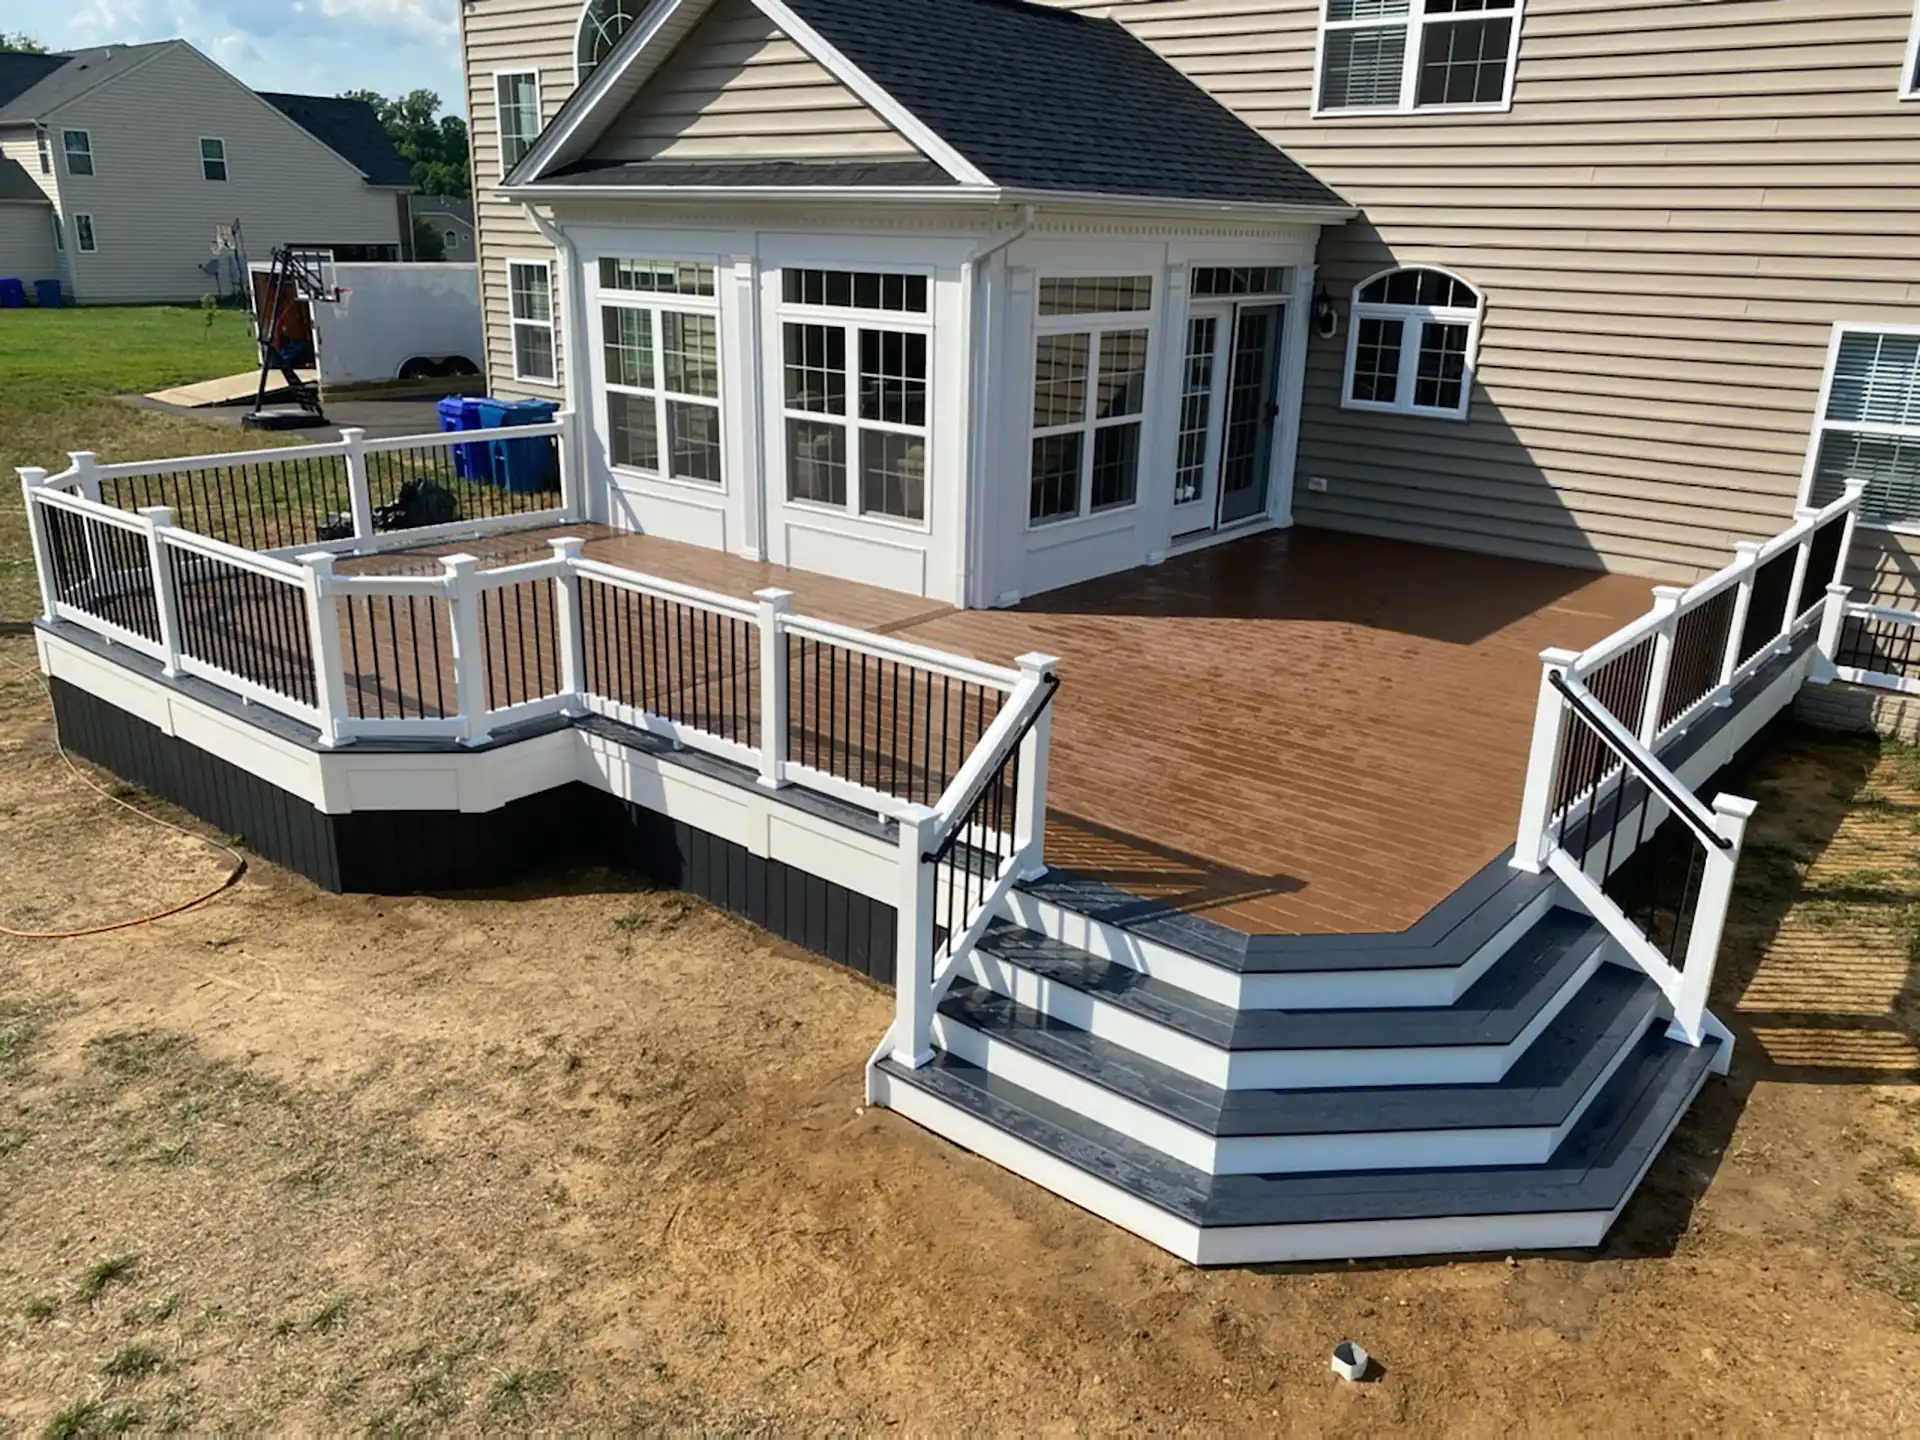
x=403, y=852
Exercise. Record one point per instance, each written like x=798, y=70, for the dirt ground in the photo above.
x=577, y=1155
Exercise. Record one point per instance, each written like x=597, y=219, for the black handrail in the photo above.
x=1602, y=725
x=1051, y=682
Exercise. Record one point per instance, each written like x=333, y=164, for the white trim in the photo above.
x=66, y=154
x=657, y=304
x=1413, y=320
x=59, y=234
x=514, y=321
x=499, y=116
x=1841, y=329
x=85, y=240
x=43, y=148
x=1415, y=21
x=639, y=8
x=1907, y=85
x=225, y=162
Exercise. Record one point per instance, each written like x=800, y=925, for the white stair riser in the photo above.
x=1301, y=990
x=1267, y=1069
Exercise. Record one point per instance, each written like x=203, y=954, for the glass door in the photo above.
x=1229, y=409
x=1196, y=466
x=1252, y=412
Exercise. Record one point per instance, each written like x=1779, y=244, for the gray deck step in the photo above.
x=1494, y=1011
x=1592, y=1172
x=1541, y=1090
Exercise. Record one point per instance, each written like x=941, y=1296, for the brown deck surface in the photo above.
x=1304, y=731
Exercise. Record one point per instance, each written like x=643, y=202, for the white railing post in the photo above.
x=32, y=477
x=1832, y=619
x=1802, y=557
x=359, y=492
x=323, y=630
x=1030, y=805
x=570, y=637
x=86, y=473
x=571, y=458
x=775, y=606
x=1748, y=562
x=913, y=957
x=1666, y=608
x=469, y=662
x=166, y=599
x=1543, y=764
x=1856, y=494
x=1730, y=816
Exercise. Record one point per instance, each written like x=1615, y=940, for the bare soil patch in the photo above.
x=582, y=1155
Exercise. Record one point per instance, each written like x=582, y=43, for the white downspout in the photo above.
x=573, y=306
x=979, y=381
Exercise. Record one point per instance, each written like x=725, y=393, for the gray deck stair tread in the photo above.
x=1493, y=1011
x=1592, y=1170
x=1540, y=1089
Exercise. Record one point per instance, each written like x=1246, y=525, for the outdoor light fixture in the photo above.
x=1326, y=319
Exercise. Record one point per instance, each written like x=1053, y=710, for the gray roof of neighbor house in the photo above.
x=452, y=205
x=32, y=85
x=17, y=184
x=1046, y=100
x=350, y=129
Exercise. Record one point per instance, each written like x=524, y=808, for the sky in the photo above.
x=315, y=47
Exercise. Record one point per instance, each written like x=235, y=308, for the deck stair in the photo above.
x=1500, y=1080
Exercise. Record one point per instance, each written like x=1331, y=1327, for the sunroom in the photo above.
x=972, y=306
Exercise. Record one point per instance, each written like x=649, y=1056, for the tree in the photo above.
x=435, y=145
x=428, y=243
x=21, y=44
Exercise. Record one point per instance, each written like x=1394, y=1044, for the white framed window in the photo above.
x=530, y=297
x=1091, y=343
x=856, y=386
x=1868, y=424
x=59, y=234
x=1400, y=56
x=516, y=95
x=602, y=23
x=1910, y=71
x=43, y=143
x=1412, y=344
x=78, y=147
x=660, y=335
x=83, y=234
x=213, y=159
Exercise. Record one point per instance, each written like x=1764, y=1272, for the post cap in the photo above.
x=31, y=474
x=1734, y=807
x=1558, y=655
x=321, y=560
x=82, y=457
x=1037, y=662
x=776, y=597
x=158, y=514
x=1840, y=588
x=1748, y=547
x=459, y=564
x=353, y=434
x=568, y=545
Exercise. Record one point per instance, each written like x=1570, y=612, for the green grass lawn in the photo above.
x=62, y=373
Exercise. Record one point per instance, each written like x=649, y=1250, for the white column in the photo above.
x=1543, y=764
x=166, y=600
x=469, y=663
x=359, y=493
x=775, y=605
x=572, y=462
x=1856, y=492
x=1831, y=620
x=1802, y=556
x=323, y=629
x=86, y=470
x=1749, y=561
x=1030, y=804
x=86, y=467
x=569, y=635
x=32, y=477
x=1730, y=816
x=1666, y=605
x=913, y=941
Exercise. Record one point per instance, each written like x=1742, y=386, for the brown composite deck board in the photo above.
x=1303, y=732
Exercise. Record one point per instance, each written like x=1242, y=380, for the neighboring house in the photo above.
x=1624, y=240
x=140, y=151
x=453, y=218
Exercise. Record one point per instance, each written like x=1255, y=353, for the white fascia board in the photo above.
x=758, y=194
x=1183, y=209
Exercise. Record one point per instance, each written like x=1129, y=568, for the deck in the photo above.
x=1300, y=732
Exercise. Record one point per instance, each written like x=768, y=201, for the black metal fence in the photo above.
x=1882, y=646
x=398, y=654
x=482, y=479
x=1699, y=654
x=244, y=623
x=266, y=504
x=683, y=662
x=519, y=643
x=103, y=570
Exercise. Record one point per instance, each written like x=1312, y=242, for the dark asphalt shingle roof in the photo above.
x=350, y=129
x=1044, y=99
x=17, y=184
x=767, y=173
x=448, y=205
x=31, y=85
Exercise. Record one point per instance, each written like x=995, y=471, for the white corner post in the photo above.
x=166, y=599
x=1543, y=764
x=1748, y=562
x=86, y=475
x=1730, y=816
x=913, y=940
x=1856, y=496
x=1832, y=622
x=775, y=606
x=323, y=629
x=1030, y=805
x=1802, y=558
x=1666, y=610
x=353, y=441
x=462, y=573
x=571, y=458
x=569, y=634
x=32, y=477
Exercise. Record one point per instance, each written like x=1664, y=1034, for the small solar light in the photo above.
x=1349, y=1360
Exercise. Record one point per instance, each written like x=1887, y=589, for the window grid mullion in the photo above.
x=1096, y=343
x=1413, y=334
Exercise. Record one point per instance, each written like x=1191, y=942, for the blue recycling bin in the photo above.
x=524, y=467
x=458, y=413
x=13, y=294
x=46, y=294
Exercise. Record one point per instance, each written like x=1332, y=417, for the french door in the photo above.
x=1229, y=412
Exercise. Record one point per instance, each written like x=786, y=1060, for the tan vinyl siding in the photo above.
x=512, y=35
x=1682, y=201
x=154, y=212
x=17, y=144
x=738, y=89
x=26, y=242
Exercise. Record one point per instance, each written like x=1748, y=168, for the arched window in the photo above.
x=602, y=24
x=1411, y=346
